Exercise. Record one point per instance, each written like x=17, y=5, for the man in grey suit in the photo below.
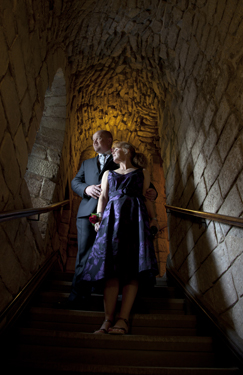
x=87, y=184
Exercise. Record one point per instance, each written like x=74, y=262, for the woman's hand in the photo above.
x=97, y=225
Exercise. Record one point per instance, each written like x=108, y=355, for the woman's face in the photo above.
x=118, y=154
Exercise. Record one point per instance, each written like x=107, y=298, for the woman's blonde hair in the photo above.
x=138, y=159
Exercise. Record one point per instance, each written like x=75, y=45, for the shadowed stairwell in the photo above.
x=166, y=336
x=167, y=76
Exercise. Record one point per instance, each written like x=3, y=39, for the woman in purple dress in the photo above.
x=123, y=254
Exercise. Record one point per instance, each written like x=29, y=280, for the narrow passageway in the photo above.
x=163, y=75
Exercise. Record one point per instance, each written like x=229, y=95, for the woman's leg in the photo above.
x=129, y=293
x=110, y=299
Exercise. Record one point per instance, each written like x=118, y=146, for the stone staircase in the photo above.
x=164, y=338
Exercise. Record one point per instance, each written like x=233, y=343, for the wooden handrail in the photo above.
x=10, y=215
x=229, y=220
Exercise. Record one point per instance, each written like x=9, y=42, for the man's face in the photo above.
x=101, y=143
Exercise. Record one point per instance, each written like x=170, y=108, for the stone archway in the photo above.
x=43, y=163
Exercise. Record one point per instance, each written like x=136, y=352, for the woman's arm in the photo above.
x=103, y=199
x=148, y=203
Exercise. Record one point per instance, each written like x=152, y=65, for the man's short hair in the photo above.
x=107, y=133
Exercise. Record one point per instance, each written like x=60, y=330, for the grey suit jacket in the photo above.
x=89, y=174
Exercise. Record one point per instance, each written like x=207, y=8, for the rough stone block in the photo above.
x=21, y=150
x=210, y=142
x=42, y=167
x=17, y=61
x=26, y=111
x=53, y=134
x=199, y=111
x=219, y=261
x=199, y=168
x=186, y=26
x=191, y=136
x=213, y=200
x=34, y=183
x=47, y=189
x=3, y=121
x=197, y=147
x=25, y=194
x=32, y=133
x=172, y=36
x=209, y=114
x=53, y=156
x=223, y=293
x=4, y=192
x=10, y=101
x=228, y=136
x=206, y=243
x=232, y=205
x=239, y=184
x=222, y=84
x=213, y=169
x=35, y=48
x=236, y=270
x=53, y=123
x=222, y=115
x=55, y=111
x=7, y=158
x=192, y=56
x=9, y=26
x=234, y=241
x=39, y=151
x=234, y=317
x=200, y=195
x=231, y=167
x=4, y=55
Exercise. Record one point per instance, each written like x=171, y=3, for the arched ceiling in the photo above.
x=126, y=57
x=115, y=50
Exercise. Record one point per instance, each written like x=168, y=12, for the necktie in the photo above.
x=102, y=159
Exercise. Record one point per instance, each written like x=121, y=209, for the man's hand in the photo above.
x=151, y=194
x=93, y=191
x=154, y=223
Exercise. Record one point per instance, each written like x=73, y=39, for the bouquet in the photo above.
x=94, y=218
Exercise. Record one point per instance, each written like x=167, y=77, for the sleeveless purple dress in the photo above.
x=123, y=247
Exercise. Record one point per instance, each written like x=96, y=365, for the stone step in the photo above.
x=127, y=350
x=57, y=368
x=142, y=305
x=83, y=321
x=160, y=291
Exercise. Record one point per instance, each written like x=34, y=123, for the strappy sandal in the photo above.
x=103, y=331
x=116, y=330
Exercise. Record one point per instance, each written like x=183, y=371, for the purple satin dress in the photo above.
x=123, y=247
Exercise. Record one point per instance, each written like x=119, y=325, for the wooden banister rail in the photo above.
x=229, y=220
x=10, y=215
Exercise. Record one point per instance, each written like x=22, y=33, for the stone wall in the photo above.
x=166, y=75
x=44, y=161
x=27, y=69
x=202, y=122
